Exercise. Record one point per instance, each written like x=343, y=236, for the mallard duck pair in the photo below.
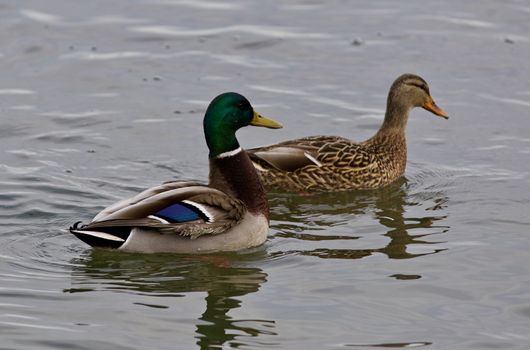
x=231, y=212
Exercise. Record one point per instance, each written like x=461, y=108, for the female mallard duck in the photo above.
x=230, y=213
x=330, y=163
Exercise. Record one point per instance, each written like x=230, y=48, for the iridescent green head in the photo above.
x=226, y=114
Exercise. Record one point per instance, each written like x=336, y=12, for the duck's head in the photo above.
x=226, y=114
x=410, y=90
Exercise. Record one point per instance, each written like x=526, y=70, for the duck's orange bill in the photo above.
x=433, y=108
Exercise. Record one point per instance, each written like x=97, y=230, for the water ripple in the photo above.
x=69, y=136
x=99, y=56
x=240, y=60
x=41, y=16
x=84, y=118
x=508, y=100
x=52, y=19
x=390, y=345
x=268, y=31
x=16, y=92
x=315, y=97
x=23, y=108
x=468, y=22
x=202, y=4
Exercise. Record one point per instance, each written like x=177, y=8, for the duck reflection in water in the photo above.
x=319, y=217
x=225, y=278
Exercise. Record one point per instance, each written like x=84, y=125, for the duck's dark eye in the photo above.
x=241, y=105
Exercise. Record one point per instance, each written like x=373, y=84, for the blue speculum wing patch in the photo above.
x=180, y=212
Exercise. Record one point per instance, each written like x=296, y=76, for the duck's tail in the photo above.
x=108, y=237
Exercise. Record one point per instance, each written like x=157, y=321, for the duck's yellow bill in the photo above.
x=258, y=120
x=433, y=108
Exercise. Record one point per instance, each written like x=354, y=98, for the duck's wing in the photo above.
x=181, y=208
x=296, y=154
x=165, y=188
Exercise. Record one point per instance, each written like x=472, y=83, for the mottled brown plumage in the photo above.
x=330, y=163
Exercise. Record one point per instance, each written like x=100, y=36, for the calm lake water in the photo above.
x=101, y=99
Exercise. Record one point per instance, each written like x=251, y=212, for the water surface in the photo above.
x=99, y=100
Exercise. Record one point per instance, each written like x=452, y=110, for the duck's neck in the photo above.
x=232, y=172
x=389, y=143
x=396, y=116
x=392, y=132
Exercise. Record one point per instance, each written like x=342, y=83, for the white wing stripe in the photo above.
x=159, y=219
x=259, y=167
x=313, y=159
x=201, y=208
x=101, y=235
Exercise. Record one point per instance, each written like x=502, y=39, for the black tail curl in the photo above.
x=76, y=226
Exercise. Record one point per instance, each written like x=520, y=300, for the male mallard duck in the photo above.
x=230, y=213
x=331, y=163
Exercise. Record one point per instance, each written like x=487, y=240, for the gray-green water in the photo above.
x=101, y=99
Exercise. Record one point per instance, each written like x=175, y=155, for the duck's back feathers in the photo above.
x=317, y=163
x=178, y=208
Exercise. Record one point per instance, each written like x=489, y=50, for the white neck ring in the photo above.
x=230, y=153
